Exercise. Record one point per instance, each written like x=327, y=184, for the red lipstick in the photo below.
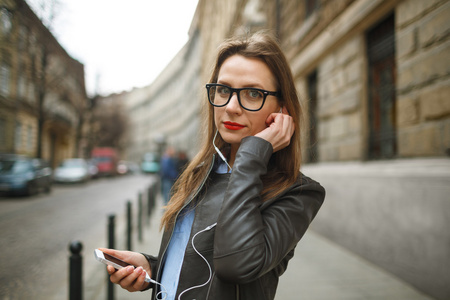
x=233, y=126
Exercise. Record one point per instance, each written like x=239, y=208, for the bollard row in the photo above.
x=75, y=247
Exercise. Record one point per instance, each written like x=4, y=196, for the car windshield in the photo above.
x=150, y=157
x=102, y=159
x=72, y=164
x=14, y=166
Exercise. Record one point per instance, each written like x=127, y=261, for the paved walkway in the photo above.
x=320, y=270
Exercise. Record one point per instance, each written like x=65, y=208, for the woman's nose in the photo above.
x=233, y=105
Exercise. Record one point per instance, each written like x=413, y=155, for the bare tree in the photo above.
x=46, y=11
x=111, y=125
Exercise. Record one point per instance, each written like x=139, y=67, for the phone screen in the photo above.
x=116, y=260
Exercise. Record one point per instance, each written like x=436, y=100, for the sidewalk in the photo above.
x=320, y=270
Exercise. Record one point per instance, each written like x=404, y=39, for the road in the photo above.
x=35, y=232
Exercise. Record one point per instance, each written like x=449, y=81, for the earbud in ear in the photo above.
x=281, y=110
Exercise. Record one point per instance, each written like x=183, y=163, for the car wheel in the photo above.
x=48, y=188
x=31, y=189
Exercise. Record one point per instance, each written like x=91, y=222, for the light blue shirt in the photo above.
x=222, y=167
x=175, y=252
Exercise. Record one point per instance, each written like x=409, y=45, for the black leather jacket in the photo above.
x=249, y=248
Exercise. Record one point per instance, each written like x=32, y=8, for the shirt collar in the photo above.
x=221, y=167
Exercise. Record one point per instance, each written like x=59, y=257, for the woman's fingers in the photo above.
x=279, y=131
x=284, y=133
x=129, y=278
x=140, y=283
x=135, y=281
x=110, y=270
x=118, y=275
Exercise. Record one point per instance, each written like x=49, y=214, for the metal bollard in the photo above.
x=154, y=194
x=111, y=231
x=129, y=226
x=111, y=242
x=76, y=271
x=149, y=202
x=140, y=217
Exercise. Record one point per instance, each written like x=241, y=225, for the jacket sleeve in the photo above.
x=250, y=241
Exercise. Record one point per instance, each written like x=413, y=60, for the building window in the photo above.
x=2, y=132
x=21, y=87
x=30, y=92
x=310, y=7
x=5, y=21
x=23, y=37
x=30, y=138
x=312, y=112
x=18, y=136
x=382, y=77
x=32, y=43
x=4, y=79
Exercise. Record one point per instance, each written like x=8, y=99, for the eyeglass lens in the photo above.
x=249, y=98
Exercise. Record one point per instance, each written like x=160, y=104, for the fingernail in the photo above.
x=130, y=269
x=138, y=270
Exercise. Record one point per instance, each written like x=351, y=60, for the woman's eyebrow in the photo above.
x=249, y=85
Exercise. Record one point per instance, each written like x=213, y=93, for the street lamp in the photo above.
x=160, y=140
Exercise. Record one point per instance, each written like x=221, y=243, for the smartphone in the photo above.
x=115, y=262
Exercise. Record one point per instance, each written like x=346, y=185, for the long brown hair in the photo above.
x=284, y=165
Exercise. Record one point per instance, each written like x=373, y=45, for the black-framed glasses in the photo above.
x=251, y=99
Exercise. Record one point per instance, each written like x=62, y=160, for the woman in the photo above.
x=241, y=206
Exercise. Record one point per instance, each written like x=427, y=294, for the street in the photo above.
x=35, y=232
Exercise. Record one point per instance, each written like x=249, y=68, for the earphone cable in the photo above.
x=209, y=267
x=218, y=151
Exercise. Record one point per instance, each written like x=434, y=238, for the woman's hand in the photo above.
x=129, y=278
x=280, y=129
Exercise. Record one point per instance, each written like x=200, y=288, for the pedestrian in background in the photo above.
x=168, y=173
x=242, y=205
x=182, y=161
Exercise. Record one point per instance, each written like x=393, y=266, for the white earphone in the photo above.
x=218, y=151
x=209, y=267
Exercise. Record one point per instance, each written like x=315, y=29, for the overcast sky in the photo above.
x=124, y=44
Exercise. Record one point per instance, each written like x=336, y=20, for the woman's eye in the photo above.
x=223, y=90
x=254, y=94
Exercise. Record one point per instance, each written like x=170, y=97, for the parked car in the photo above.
x=93, y=169
x=123, y=167
x=72, y=170
x=133, y=168
x=24, y=175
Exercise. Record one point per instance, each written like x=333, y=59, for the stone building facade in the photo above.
x=328, y=44
x=341, y=78
x=42, y=91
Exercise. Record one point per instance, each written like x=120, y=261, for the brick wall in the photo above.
x=340, y=93
x=423, y=57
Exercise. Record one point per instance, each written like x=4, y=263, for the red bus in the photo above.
x=106, y=160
